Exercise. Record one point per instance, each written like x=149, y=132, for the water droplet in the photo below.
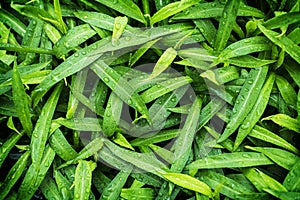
x=245, y=126
x=118, y=25
x=129, y=101
x=225, y=15
x=245, y=155
x=127, y=38
x=76, y=54
x=106, y=80
x=67, y=45
x=83, y=53
x=85, y=17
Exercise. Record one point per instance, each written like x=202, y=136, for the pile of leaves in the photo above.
x=150, y=99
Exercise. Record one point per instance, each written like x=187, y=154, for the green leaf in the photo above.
x=164, y=87
x=138, y=193
x=256, y=112
x=248, y=61
x=143, y=161
x=83, y=179
x=281, y=157
x=282, y=20
x=120, y=87
x=287, y=91
x=292, y=181
x=283, y=42
x=119, y=27
x=35, y=175
x=72, y=39
x=206, y=27
x=226, y=24
x=14, y=174
x=164, y=62
x=171, y=9
x=230, y=160
x=90, y=149
x=49, y=189
x=285, y=121
x=152, y=139
x=293, y=71
x=245, y=100
x=100, y=20
x=61, y=146
x=63, y=184
x=262, y=181
x=187, y=133
x=122, y=141
x=226, y=186
x=214, y=10
x=21, y=101
x=114, y=188
x=52, y=33
x=284, y=195
x=142, y=50
x=25, y=49
x=112, y=114
x=80, y=124
x=245, y=47
x=268, y=136
x=13, y=22
x=128, y=8
x=42, y=127
x=37, y=13
x=59, y=16
x=8, y=145
x=189, y=182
